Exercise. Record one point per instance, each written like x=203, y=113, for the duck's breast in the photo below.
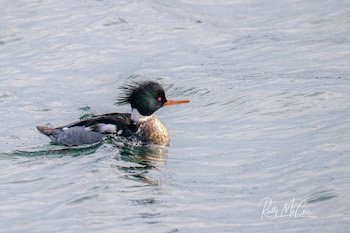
x=153, y=131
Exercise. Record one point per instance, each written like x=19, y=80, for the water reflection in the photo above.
x=141, y=159
x=147, y=155
x=57, y=150
x=141, y=163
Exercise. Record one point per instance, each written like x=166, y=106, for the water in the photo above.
x=269, y=84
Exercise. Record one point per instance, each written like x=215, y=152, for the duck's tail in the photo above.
x=45, y=130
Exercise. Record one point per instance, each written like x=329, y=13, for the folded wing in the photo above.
x=91, y=130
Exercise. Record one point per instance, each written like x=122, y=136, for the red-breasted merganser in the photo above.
x=144, y=97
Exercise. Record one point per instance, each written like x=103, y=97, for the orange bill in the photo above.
x=172, y=102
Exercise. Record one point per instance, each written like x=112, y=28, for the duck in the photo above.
x=140, y=125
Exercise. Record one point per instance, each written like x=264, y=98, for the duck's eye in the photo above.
x=159, y=99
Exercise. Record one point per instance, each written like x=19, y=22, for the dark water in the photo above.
x=268, y=122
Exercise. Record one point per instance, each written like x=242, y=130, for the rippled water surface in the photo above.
x=268, y=121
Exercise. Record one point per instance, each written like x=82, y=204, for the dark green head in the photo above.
x=147, y=97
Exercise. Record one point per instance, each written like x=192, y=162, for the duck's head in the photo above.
x=147, y=97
